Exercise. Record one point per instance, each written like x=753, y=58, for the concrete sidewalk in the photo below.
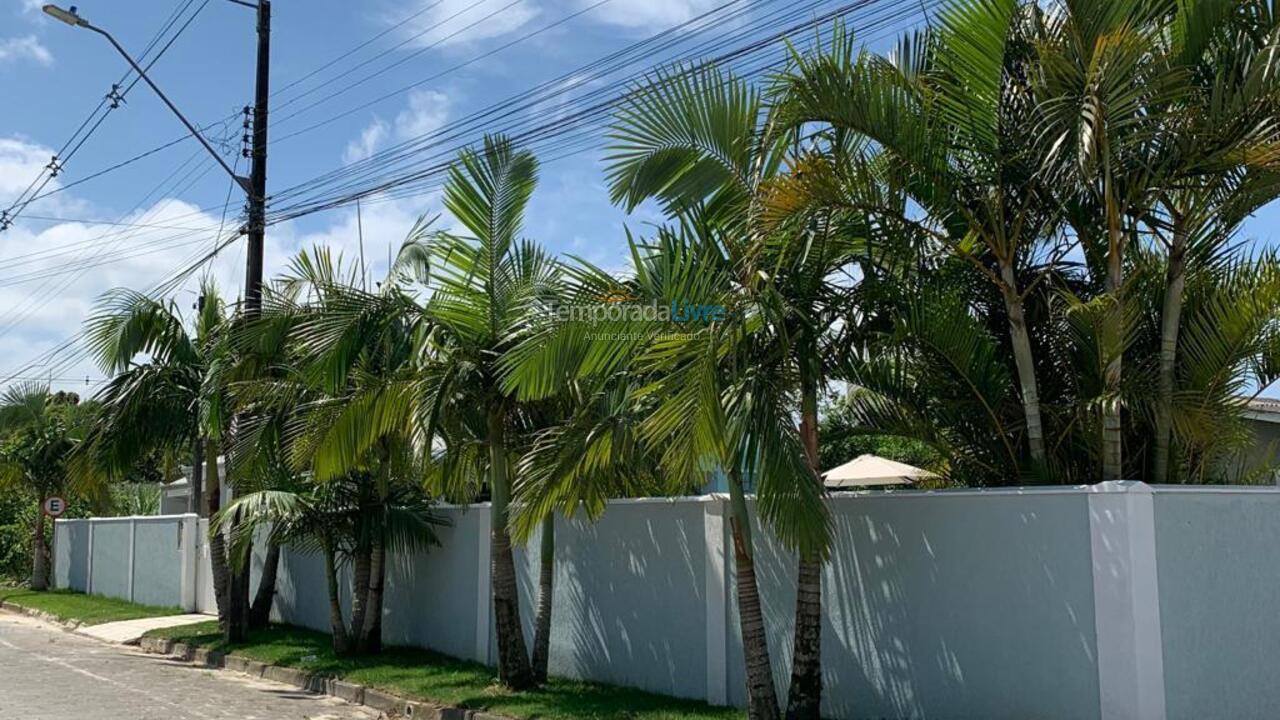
x=128, y=632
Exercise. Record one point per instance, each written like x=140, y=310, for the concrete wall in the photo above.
x=977, y=604
x=148, y=560
x=1219, y=601
x=1115, y=601
x=944, y=605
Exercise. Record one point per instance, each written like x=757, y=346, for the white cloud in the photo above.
x=53, y=274
x=368, y=142
x=452, y=22
x=427, y=112
x=24, y=48
x=649, y=14
x=21, y=162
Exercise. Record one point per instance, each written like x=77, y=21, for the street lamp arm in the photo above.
x=81, y=22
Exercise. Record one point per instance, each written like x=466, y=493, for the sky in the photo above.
x=352, y=78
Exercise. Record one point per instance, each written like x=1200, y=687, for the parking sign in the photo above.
x=55, y=506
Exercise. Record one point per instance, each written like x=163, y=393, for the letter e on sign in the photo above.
x=55, y=506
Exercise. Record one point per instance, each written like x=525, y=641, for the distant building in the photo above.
x=175, y=496
x=1262, y=458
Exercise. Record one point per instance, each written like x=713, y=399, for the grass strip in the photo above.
x=424, y=675
x=88, y=609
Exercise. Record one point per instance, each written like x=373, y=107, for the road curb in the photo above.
x=392, y=705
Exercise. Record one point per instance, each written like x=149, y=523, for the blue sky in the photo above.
x=54, y=75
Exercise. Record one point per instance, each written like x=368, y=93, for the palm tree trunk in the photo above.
x=217, y=541
x=337, y=625
x=1112, y=459
x=195, y=496
x=39, y=554
x=260, y=611
x=361, y=566
x=1024, y=360
x=805, y=693
x=237, y=630
x=1170, y=321
x=546, y=589
x=370, y=640
x=762, y=699
x=513, y=659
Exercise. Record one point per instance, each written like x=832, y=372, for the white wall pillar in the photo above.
x=88, y=576
x=133, y=555
x=188, y=529
x=53, y=556
x=716, y=593
x=484, y=594
x=1126, y=601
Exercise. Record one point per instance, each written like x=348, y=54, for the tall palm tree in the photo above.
x=1154, y=110
x=952, y=111
x=1223, y=138
x=168, y=391
x=321, y=361
x=38, y=431
x=702, y=145
x=481, y=289
x=485, y=287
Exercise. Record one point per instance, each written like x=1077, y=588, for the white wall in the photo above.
x=150, y=560
x=1110, y=601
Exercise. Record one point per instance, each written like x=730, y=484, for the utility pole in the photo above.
x=258, y=172
x=195, y=489
x=237, y=624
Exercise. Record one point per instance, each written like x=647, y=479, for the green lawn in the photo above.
x=88, y=609
x=425, y=675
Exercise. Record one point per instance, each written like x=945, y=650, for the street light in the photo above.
x=67, y=16
x=73, y=19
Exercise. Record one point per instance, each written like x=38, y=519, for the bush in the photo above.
x=16, y=516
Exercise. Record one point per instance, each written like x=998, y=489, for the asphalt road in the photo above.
x=49, y=674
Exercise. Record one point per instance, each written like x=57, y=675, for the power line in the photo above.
x=110, y=102
x=477, y=58
x=557, y=127
x=641, y=51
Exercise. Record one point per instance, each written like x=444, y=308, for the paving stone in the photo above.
x=48, y=674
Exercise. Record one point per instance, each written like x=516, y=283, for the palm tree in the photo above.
x=484, y=289
x=692, y=410
x=335, y=518
x=39, y=430
x=168, y=392
x=1221, y=139
x=696, y=142
x=951, y=112
x=318, y=360
x=587, y=452
x=443, y=396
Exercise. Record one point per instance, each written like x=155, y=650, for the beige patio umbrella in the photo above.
x=872, y=471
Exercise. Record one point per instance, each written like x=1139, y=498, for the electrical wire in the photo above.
x=597, y=111
x=108, y=103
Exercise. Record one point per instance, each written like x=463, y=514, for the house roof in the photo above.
x=1264, y=409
